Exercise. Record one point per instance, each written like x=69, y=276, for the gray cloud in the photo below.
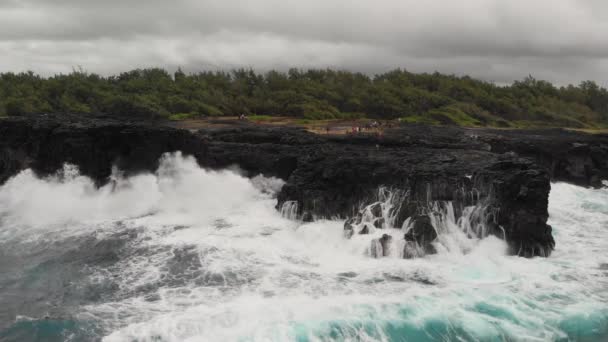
x=562, y=41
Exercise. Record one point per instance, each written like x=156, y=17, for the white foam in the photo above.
x=261, y=276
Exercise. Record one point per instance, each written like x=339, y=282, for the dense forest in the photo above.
x=307, y=94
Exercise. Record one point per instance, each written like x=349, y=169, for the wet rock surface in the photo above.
x=381, y=247
x=422, y=233
x=332, y=176
x=95, y=146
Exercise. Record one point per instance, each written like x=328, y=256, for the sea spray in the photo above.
x=451, y=225
x=187, y=254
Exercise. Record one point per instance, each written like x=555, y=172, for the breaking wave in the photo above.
x=187, y=254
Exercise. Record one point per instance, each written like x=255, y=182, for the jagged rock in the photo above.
x=381, y=247
x=324, y=183
x=364, y=230
x=422, y=233
x=95, y=146
x=376, y=209
x=385, y=242
x=330, y=176
x=379, y=223
x=566, y=155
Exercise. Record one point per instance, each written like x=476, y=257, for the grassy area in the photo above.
x=457, y=114
x=443, y=118
x=419, y=119
x=262, y=117
x=182, y=116
x=341, y=126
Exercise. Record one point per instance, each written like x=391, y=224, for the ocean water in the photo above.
x=187, y=254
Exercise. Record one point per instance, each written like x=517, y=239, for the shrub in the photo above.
x=260, y=117
x=139, y=106
x=181, y=116
x=208, y=110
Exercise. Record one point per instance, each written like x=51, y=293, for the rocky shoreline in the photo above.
x=505, y=173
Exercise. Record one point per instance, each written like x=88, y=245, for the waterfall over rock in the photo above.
x=187, y=253
x=119, y=232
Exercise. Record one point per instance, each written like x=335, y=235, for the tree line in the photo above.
x=145, y=94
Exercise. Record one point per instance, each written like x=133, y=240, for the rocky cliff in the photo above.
x=336, y=176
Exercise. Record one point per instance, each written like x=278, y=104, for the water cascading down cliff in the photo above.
x=412, y=190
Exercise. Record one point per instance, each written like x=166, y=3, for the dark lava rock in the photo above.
x=333, y=179
x=379, y=223
x=381, y=247
x=376, y=209
x=331, y=176
x=364, y=230
x=385, y=242
x=568, y=156
x=422, y=233
x=45, y=144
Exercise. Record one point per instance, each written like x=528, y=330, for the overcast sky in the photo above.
x=497, y=40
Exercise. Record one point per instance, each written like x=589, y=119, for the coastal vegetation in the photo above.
x=147, y=94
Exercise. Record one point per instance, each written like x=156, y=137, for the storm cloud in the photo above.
x=562, y=41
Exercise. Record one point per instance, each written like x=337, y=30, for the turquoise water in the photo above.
x=49, y=330
x=191, y=255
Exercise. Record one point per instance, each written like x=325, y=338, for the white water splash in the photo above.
x=455, y=234
x=289, y=210
x=219, y=263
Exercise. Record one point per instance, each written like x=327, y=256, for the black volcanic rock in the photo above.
x=332, y=176
x=422, y=233
x=568, y=156
x=331, y=185
x=381, y=247
x=44, y=145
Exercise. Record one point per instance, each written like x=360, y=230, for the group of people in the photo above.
x=369, y=126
